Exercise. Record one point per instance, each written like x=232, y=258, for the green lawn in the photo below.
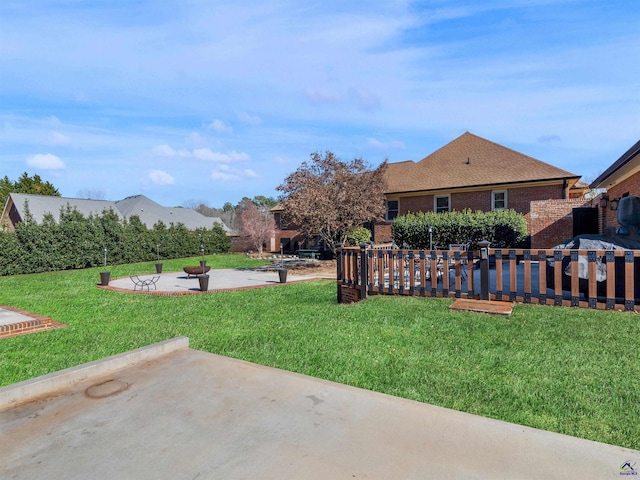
x=572, y=371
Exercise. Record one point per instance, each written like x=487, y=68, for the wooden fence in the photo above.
x=606, y=279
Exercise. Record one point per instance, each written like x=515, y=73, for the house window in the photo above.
x=441, y=204
x=499, y=200
x=392, y=209
x=281, y=220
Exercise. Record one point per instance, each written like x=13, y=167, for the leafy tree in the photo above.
x=35, y=185
x=329, y=197
x=257, y=223
x=6, y=187
x=229, y=212
x=26, y=184
x=259, y=201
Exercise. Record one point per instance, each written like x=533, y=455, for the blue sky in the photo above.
x=211, y=101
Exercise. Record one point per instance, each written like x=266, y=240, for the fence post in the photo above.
x=484, y=269
x=364, y=270
x=339, y=271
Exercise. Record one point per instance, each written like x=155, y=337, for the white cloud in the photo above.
x=365, y=100
x=549, y=139
x=249, y=119
x=53, y=120
x=225, y=177
x=196, y=140
x=45, y=161
x=374, y=142
x=57, y=139
x=219, y=126
x=82, y=97
x=160, y=177
x=167, y=151
x=226, y=173
x=322, y=95
x=231, y=157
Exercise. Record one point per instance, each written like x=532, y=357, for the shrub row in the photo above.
x=75, y=241
x=503, y=228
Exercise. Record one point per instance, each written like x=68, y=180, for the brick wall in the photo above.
x=472, y=201
x=422, y=203
x=551, y=221
x=518, y=199
x=382, y=232
x=629, y=186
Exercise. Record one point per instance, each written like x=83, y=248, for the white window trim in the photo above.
x=386, y=213
x=435, y=202
x=493, y=200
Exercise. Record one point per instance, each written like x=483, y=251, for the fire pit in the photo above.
x=195, y=270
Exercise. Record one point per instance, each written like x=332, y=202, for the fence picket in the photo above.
x=427, y=273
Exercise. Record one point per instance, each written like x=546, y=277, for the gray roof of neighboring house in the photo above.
x=147, y=210
x=40, y=205
x=150, y=213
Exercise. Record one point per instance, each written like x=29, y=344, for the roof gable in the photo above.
x=470, y=161
x=626, y=165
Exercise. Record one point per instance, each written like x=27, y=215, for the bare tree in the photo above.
x=329, y=197
x=195, y=204
x=256, y=223
x=92, y=194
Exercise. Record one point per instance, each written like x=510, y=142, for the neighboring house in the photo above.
x=147, y=210
x=621, y=179
x=474, y=173
x=150, y=213
x=477, y=174
x=288, y=236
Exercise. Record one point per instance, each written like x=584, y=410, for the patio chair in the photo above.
x=144, y=282
x=462, y=248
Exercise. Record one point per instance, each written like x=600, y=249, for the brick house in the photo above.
x=621, y=179
x=289, y=236
x=474, y=173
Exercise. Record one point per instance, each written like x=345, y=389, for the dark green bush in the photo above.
x=75, y=241
x=504, y=228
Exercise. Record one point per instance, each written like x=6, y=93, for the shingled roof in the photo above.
x=626, y=165
x=40, y=205
x=150, y=212
x=147, y=210
x=471, y=161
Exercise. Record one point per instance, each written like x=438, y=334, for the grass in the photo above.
x=572, y=371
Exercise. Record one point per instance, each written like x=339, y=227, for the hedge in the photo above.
x=503, y=228
x=75, y=241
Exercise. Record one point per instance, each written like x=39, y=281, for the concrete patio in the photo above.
x=167, y=411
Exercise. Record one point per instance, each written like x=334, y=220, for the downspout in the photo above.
x=564, y=189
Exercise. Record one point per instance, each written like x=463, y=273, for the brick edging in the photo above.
x=37, y=323
x=161, y=293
